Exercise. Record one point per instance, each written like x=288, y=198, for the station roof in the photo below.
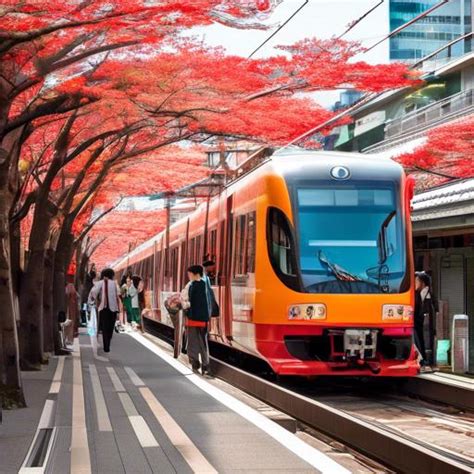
x=450, y=201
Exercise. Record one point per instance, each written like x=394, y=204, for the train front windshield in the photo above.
x=351, y=238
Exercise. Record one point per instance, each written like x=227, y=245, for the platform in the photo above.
x=138, y=410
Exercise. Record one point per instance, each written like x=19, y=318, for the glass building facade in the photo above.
x=443, y=25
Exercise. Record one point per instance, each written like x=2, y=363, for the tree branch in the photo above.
x=89, y=227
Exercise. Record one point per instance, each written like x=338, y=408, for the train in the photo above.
x=314, y=264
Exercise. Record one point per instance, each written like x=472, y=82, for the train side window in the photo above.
x=174, y=268
x=240, y=247
x=251, y=242
x=212, y=246
x=198, y=255
x=222, y=250
x=281, y=248
x=192, y=244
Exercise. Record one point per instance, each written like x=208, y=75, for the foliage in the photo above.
x=448, y=151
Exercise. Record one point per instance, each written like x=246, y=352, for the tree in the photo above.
x=84, y=110
x=42, y=39
x=447, y=152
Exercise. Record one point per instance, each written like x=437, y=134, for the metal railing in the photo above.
x=435, y=113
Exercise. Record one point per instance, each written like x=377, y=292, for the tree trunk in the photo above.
x=48, y=277
x=61, y=262
x=31, y=298
x=11, y=393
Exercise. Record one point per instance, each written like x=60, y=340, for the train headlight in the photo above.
x=397, y=312
x=307, y=311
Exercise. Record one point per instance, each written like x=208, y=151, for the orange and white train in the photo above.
x=314, y=264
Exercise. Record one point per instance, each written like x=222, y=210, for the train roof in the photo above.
x=296, y=162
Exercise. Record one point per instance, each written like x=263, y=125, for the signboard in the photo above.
x=364, y=124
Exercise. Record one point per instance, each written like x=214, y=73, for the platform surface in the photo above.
x=137, y=410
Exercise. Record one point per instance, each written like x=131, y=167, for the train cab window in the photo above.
x=281, y=247
x=351, y=238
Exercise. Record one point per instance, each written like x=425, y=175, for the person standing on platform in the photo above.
x=88, y=283
x=426, y=309
x=133, y=292
x=126, y=300
x=105, y=295
x=198, y=316
x=72, y=297
x=209, y=278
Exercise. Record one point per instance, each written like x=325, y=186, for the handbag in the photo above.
x=216, y=311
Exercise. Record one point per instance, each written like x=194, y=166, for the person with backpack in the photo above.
x=197, y=319
x=105, y=296
x=426, y=309
x=209, y=278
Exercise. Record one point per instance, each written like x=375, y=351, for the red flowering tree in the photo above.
x=75, y=109
x=447, y=153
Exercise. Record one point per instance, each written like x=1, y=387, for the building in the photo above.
x=346, y=99
x=443, y=230
x=401, y=117
x=444, y=25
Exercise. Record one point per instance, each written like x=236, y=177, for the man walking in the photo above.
x=105, y=295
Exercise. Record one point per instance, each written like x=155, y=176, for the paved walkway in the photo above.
x=140, y=411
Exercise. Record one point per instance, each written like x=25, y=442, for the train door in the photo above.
x=184, y=258
x=228, y=268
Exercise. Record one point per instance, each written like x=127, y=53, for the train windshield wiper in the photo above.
x=339, y=272
x=382, y=238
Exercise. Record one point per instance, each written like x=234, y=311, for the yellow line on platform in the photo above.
x=80, y=455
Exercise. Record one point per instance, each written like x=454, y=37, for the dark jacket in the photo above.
x=428, y=306
x=198, y=299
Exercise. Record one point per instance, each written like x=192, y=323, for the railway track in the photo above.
x=377, y=428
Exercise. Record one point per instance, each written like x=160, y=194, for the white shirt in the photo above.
x=99, y=289
x=133, y=293
x=185, y=296
x=425, y=293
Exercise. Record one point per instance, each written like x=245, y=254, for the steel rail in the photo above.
x=440, y=391
x=403, y=454
x=391, y=449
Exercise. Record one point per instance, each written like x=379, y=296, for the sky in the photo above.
x=319, y=18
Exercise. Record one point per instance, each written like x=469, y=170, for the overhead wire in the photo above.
x=370, y=96
x=409, y=23
x=278, y=29
x=356, y=22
